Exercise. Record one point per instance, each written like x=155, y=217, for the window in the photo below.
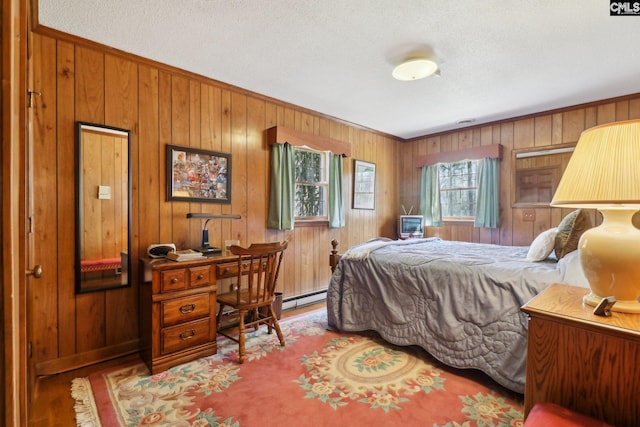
x=311, y=171
x=458, y=189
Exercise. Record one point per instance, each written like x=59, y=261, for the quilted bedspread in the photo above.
x=459, y=301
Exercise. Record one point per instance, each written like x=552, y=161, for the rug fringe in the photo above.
x=85, y=407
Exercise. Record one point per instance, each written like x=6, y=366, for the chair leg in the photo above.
x=255, y=317
x=276, y=326
x=270, y=319
x=219, y=317
x=241, y=339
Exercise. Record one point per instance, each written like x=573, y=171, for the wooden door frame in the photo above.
x=13, y=355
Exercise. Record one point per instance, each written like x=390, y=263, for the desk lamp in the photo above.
x=205, y=248
x=604, y=174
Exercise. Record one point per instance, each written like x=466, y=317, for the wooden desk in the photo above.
x=584, y=362
x=178, y=308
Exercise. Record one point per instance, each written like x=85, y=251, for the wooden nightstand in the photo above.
x=586, y=363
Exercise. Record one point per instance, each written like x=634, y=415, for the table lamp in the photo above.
x=205, y=247
x=604, y=174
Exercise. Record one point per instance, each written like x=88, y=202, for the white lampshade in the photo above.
x=414, y=69
x=604, y=169
x=604, y=173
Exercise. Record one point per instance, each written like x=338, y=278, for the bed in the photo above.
x=459, y=301
x=114, y=264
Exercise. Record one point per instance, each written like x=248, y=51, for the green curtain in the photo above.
x=488, y=200
x=430, y=197
x=336, y=200
x=283, y=187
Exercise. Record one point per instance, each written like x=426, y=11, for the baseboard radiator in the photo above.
x=304, y=299
x=291, y=302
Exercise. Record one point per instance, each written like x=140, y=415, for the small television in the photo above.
x=410, y=226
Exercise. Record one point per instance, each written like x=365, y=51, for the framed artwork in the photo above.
x=195, y=175
x=364, y=185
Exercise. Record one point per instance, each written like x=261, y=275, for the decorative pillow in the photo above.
x=542, y=245
x=569, y=231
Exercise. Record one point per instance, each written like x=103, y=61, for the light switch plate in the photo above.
x=104, y=192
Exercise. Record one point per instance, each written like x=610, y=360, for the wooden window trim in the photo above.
x=493, y=151
x=466, y=220
x=311, y=222
x=281, y=135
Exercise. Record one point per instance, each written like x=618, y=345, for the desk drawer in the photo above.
x=173, y=280
x=184, y=336
x=183, y=278
x=185, y=309
x=199, y=276
x=230, y=269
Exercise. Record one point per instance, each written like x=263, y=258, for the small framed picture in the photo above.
x=364, y=185
x=195, y=175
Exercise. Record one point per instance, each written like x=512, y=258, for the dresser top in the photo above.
x=564, y=303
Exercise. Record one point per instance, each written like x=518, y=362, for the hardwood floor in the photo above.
x=52, y=405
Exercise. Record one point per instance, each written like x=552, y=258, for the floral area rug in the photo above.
x=320, y=378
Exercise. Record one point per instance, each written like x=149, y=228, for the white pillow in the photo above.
x=543, y=245
x=571, y=270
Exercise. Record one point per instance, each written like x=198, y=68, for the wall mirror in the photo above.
x=103, y=207
x=537, y=172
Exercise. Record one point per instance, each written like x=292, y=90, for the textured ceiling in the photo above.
x=498, y=59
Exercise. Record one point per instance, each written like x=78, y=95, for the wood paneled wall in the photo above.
x=81, y=81
x=541, y=130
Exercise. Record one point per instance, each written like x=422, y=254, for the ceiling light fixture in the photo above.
x=415, y=69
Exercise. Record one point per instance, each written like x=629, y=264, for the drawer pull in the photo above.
x=187, y=335
x=200, y=276
x=174, y=280
x=187, y=308
x=227, y=270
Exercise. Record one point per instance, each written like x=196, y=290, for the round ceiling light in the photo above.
x=414, y=69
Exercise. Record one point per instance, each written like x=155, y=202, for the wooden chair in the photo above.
x=258, y=268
